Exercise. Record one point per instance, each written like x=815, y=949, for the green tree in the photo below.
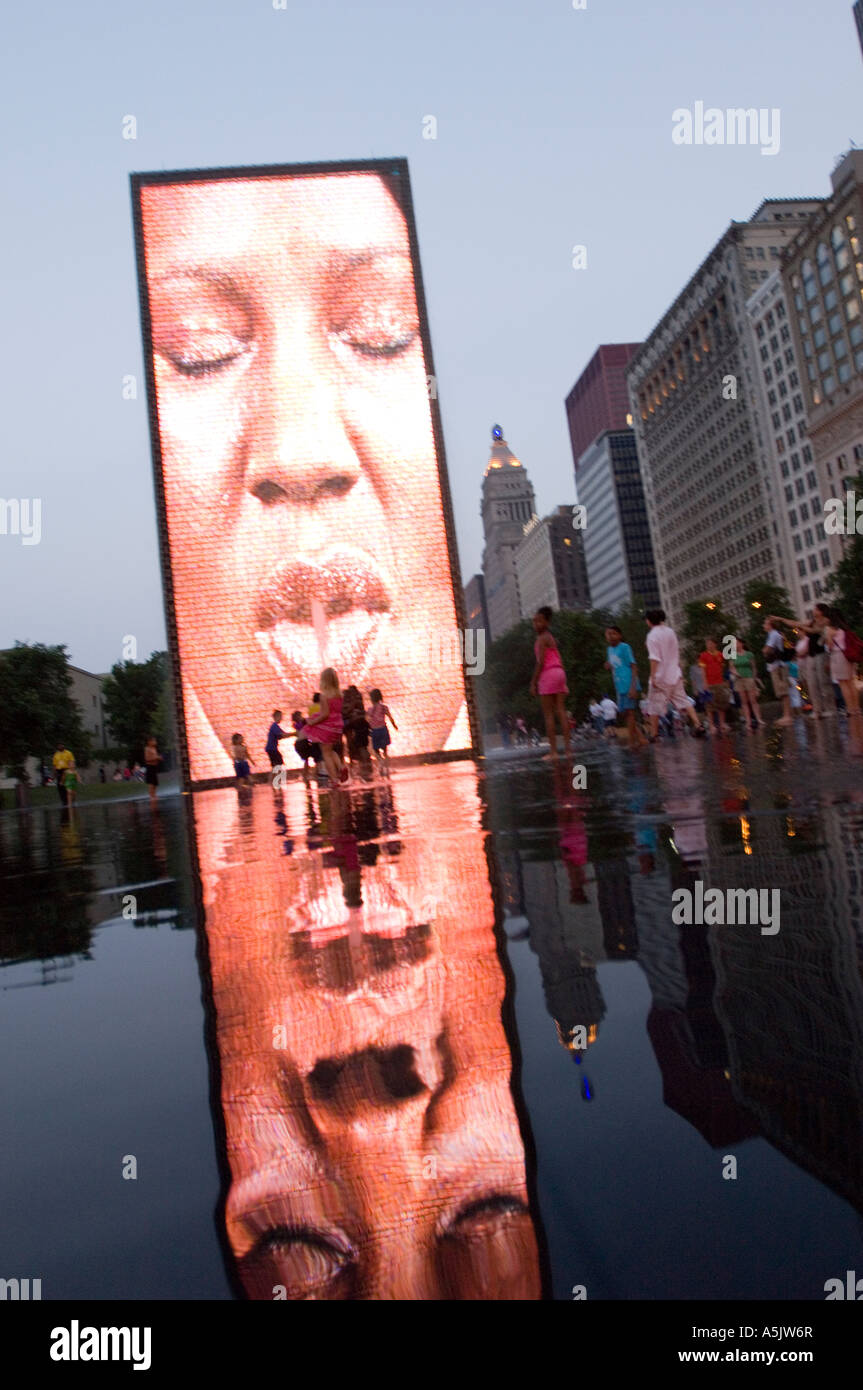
x=510, y=663
x=845, y=585
x=760, y=599
x=703, y=618
x=36, y=707
x=131, y=695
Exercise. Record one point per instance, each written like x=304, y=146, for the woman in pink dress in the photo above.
x=328, y=724
x=549, y=680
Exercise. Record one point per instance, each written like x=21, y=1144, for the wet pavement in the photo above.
x=442, y=1036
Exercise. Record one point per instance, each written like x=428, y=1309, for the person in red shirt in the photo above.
x=712, y=663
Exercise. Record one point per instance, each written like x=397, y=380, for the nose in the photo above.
x=298, y=449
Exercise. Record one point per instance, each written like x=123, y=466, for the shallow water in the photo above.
x=440, y=1037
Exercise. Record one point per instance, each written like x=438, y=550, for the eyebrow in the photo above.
x=339, y=263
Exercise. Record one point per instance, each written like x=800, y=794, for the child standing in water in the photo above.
x=377, y=718
x=549, y=680
x=327, y=725
x=152, y=760
x=242, y=758
x=71, y=782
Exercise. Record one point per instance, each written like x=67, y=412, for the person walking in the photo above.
x=378, y=716
x=152, y=763
x=357, y=728
x=71, y=783
x=815, y=660
x=777, y=669
x=666, y=677
x=746, y=685
x=274, y=734
x=328, y=724
x=609, y=716
x=621, y=662
x=62, y=760
x=549, y=680
x=712, y=664
x=241, y=758
x=841, y=664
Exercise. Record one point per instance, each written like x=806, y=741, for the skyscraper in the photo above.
x=799, y=480
x=599, y=400
x=507, y=504
x=823, y=276
x=549, y=564
x=476, y=614
x=700, y=425
x=617, y=546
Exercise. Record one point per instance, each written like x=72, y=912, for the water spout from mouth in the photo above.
x=319, y=622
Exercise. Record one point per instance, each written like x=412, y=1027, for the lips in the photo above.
x=326, y=612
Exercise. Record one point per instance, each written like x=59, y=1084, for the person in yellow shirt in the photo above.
x=62, y=760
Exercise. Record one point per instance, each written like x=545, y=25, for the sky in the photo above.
x=554, y=129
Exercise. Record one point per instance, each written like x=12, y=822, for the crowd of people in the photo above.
x=67, y=776
x=337, y=729
x=822, y=662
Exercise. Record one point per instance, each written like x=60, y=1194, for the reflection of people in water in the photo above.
x=298, y=452
x=371, y=1133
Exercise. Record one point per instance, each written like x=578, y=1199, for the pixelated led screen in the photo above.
x=370, y=1132
x=295, y=453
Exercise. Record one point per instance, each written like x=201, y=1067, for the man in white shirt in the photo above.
x=666, y=678
x=774, y=655
x=596, y=715
x=609, y=714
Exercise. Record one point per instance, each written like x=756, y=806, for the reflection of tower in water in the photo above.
x=791, y=1004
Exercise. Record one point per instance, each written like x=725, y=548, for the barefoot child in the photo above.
x=152, y=760
x=327, y=725
x=242, y=758
x=377, y=718
x=71, y=782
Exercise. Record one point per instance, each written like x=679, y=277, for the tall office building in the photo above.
x=549, y=564
x=599, y=400
x=507, y=504
x=617, y=546
x=699, y=423
x=799, y=481
x=474, y=604
x=822, y=272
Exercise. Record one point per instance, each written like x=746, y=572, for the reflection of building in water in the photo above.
x=791, y=1004
x=566, y=934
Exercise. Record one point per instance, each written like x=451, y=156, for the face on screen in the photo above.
x=300, y=476
x=371, y=1133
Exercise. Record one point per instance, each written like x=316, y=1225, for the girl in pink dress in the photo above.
x=328, y=725
x=549, y=680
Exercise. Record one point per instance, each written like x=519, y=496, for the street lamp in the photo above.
x=755, y=603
